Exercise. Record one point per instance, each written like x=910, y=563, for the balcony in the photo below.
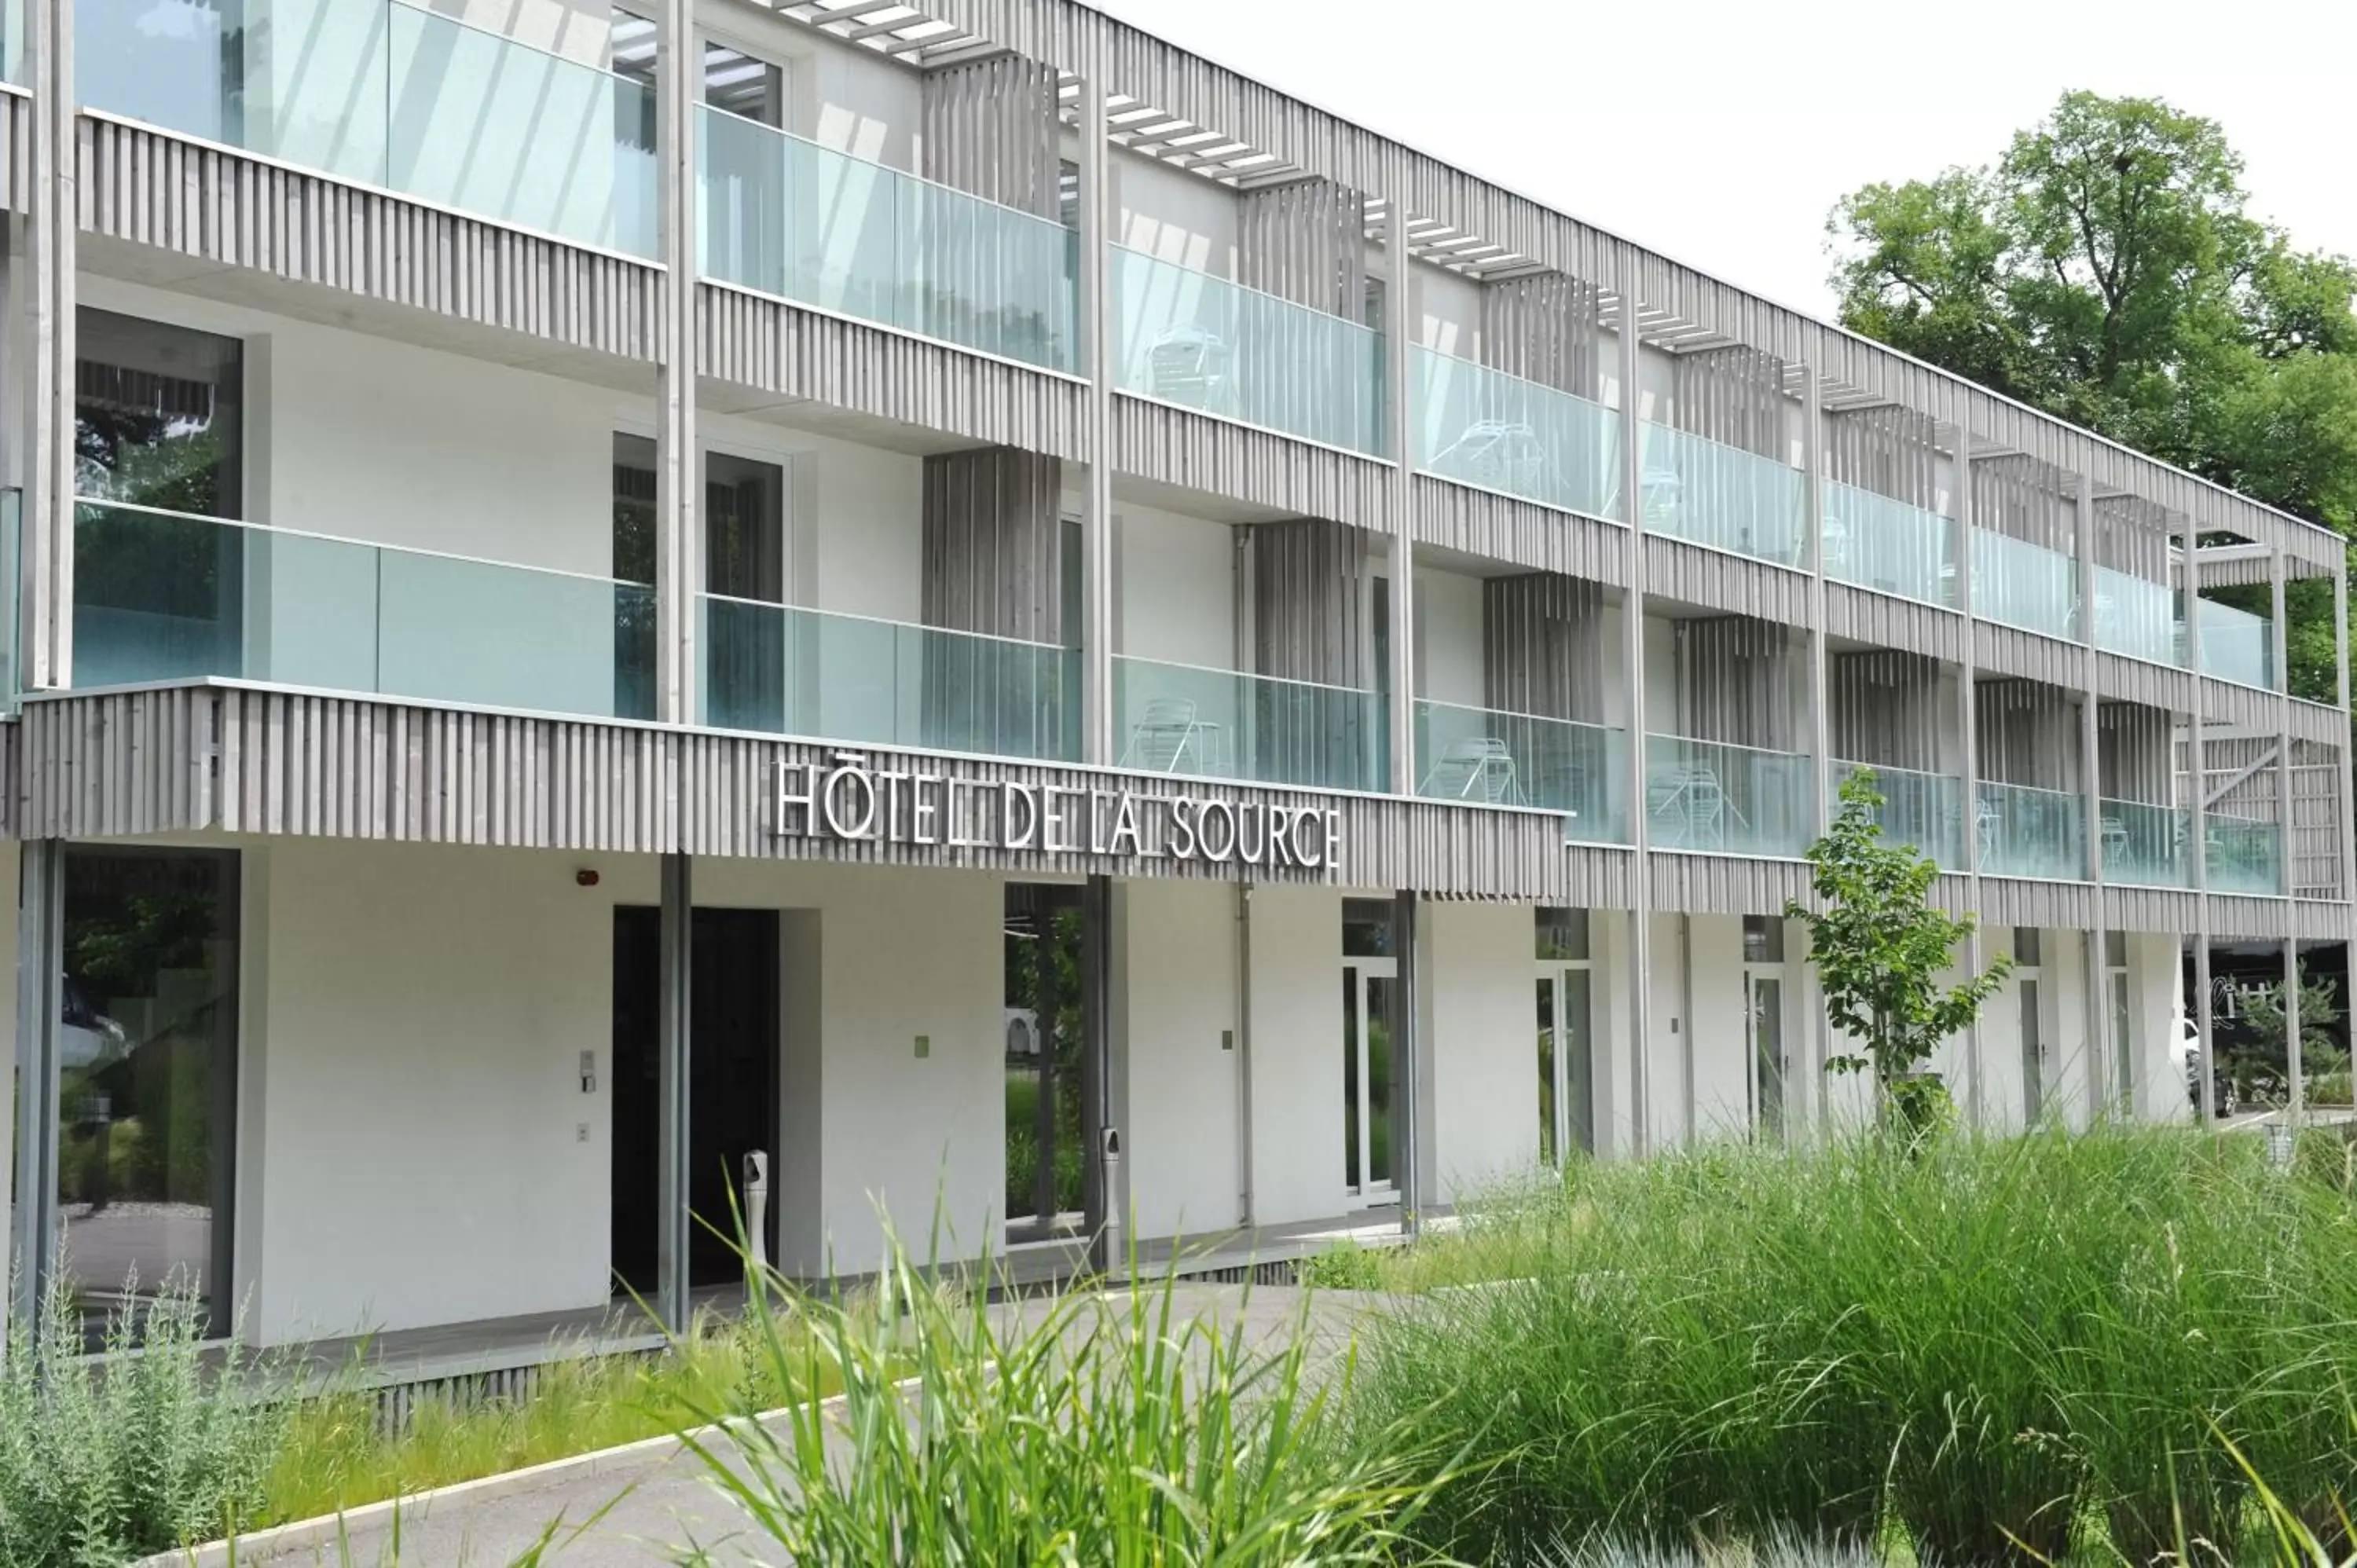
x=162, y=595
x=783, y=670
x=2019, y=583
x=383, y=93
x=2028, y=832
x=1923, y=810
x=1224, y=724
x=1873, y=542
x=1727, y=799
x=1496, y=759
x=2244, y=855
x=1696, y=490
x=1496, y=432
x=788, y=217
x=1188, y=337
x=2145, y=845
x=2137, y=618
x=2237, y=645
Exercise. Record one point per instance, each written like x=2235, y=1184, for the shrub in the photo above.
x=139, y=1451
x=1345, y=1265
x=1987, y=1344
x=1088, y=1429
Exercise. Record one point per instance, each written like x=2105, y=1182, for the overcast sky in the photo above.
x=1722, y=132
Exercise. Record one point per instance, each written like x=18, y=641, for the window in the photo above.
x=744, y=86
x=1763, y=938
x=744, y=528
x=158, y=415
x=1366, y=928
x=2026, y=947
x=2115, y=950
x=1563, y=935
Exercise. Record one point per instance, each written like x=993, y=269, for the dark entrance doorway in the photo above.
x=732, y=1063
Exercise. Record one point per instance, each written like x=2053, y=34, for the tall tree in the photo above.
x=2106, y=269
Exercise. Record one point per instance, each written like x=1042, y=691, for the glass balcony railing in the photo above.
x=1877, y=543
x=386, y=93
x=2137, y=616
x=788, y=670
x=2237, y=645
x=790, y=218
x=2016, y=583
x=163, y=595
x=1189, y=338
x=1480, y=426
x=11, y=44
x=1923, y=810
x=2028, y=832
x=1224, y=724
x=2244, y=855
x=2145, y=845
x=1697, y=490
x=1727, y=799
x=1520, y=759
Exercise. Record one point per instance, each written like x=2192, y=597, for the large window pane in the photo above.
x=148, y=1085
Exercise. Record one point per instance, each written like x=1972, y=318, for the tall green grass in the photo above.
x=1990, y=1346
x=1104, y=1429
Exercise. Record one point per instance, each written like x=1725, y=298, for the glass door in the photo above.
x=2116, y=992
x=2027, y=956
x=1371, y=1108
x=1765, y=989
x=1566, y=1068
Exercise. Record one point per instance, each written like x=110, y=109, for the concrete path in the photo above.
x=651, y=1510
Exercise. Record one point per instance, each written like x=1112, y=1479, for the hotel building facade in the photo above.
x=926, y=594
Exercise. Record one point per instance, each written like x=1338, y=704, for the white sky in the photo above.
x=1746, y=120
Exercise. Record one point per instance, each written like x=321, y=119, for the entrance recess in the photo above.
x=1372, y=1109
x=1566, y=1060
x=1046, y=1165
x=732, y=1083
x=2027, y=972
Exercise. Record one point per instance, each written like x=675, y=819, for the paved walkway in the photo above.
x=652, y=1511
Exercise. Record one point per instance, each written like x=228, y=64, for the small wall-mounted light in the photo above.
x=585, y=878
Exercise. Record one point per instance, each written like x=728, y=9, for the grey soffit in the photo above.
x=1719, y=580
x=1867, y=617
x=774, y=346
x=1500, y=527
x=2008, y=650
x=151, y=189
x=1195, y=451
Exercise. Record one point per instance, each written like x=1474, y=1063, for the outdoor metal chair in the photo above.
x=1166, y=737
x=1478, y=768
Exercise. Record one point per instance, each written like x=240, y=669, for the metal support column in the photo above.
x=1821, y=755
x=1968, y=728
x=1099, y=1134
x=679, y=467
x=2197, y=764
x=47, y=527
x=1407, y=1048
x=1097, y=174
x=675, y=966
x=2287, y=852
x=1632, y=674
x=40, y=973
x=2090, y=791
x=2295, y=1069
x=1396, y=289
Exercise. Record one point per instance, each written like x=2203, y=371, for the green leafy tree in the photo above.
x=2266, y=1030
x=2105, y=270
x=1879, y=947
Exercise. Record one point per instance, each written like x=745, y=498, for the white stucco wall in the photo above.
x=1445, y=311
x=1481, y=1034
x=1175, y=590
x=1719, y=1034
x=1177, y=1062
x=1297, y=1054
x=413, y=1110
x=1174, y=216
x=1667, y=1082
x=1611, y=1023
x=1449, y=637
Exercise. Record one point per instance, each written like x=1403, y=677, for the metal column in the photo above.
x=1968, y=728
x=1821, y=758
x=1407, y=1045
x=675, y=967
x=679, y=468
x=40, y=970
x=47, y=527
x=2197, y=764
x=1099, y=1133
x=1096, y=200
x=1632, y=655
x=2091, y=790
x=1402, y=675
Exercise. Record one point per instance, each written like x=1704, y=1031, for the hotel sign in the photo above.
x=848, y=800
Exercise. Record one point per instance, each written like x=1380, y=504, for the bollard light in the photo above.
x=2279, y=1145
